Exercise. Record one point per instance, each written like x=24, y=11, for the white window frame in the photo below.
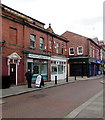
x=70, y=51
x=57, y=47
x=42, y=43
x=50, y=44
x=78, y=50
x=33, y=40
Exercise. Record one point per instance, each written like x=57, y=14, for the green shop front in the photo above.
x=38, y=64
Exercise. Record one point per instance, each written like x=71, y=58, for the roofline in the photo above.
x=42, y=29
x=93, y=42
x=75, y=34
x=2, y=5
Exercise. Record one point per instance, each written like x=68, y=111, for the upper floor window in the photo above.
x=57, y=47
x=97, y=54
x=71, y=51
x=63, y=49
x=41, y=43
x=32, y=41
x=93, y=52
x=80, y=50
x=50, y=44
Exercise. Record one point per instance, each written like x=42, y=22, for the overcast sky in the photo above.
x=84, y=17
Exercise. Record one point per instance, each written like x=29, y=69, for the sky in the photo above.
x=83, y=17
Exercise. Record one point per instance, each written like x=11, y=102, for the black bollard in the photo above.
x=55, y=79
x=67, y=78
x=75, y=77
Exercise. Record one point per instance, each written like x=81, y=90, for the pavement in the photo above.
x=93, y=108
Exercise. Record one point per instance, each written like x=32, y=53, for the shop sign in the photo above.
x=38, y=81
x=98, y=61
x=38, y=56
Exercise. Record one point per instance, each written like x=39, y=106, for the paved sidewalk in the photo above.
x=93, y=108
x=16, y=90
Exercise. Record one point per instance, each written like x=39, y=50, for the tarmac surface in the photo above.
x=93, y=108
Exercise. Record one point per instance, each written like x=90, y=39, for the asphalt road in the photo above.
x=56, y=102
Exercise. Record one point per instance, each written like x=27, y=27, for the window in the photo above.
x=60, y=69
x=40, y=68
x=91, y=51
x=54, y=69
x=57, y=47
x=63, y=49
x=80, y=50
x=32, y=41
x=43, y=68
x=41, y=43
x=71, y=51
x=50, y=45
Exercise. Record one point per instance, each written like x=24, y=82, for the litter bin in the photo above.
x=5, y=82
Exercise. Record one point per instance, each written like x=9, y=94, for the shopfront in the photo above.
x=58, y=68
x=79, y=67
x=38, y=64
x=95, y=66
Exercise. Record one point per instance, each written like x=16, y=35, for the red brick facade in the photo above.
x=17, y=29
x=88, y=61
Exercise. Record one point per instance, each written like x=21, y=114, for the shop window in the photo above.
x=36, y=69
x=54, y=69
x=71, y=51
x=41, y=43
x=43, y=69
x=40, y=69
x=32, y=41
x=60, y=69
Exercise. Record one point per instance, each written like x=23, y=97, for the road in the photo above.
x=55, y=102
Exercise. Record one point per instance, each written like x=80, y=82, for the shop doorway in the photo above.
x=13, y=74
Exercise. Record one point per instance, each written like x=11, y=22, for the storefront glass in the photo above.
x=38, y=68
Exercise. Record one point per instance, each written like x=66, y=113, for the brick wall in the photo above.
x=75, y=41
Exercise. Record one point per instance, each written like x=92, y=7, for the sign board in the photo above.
x=38, y=81
x=38, y=56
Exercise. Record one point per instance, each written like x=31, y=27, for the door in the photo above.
x=92, y=70
x=13, y=74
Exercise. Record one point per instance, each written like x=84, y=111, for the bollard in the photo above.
x=75, y=77
x=67, y=78
x=55, y=79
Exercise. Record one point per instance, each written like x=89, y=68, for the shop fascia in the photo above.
x=38, y=56
x=53, y=58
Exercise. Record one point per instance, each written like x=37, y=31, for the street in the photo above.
x=55, y=102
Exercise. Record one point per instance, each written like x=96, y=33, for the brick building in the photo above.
x=102, y=53
x=27, y=44
x=84, y=55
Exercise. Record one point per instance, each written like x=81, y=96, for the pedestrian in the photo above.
x=29, y=78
